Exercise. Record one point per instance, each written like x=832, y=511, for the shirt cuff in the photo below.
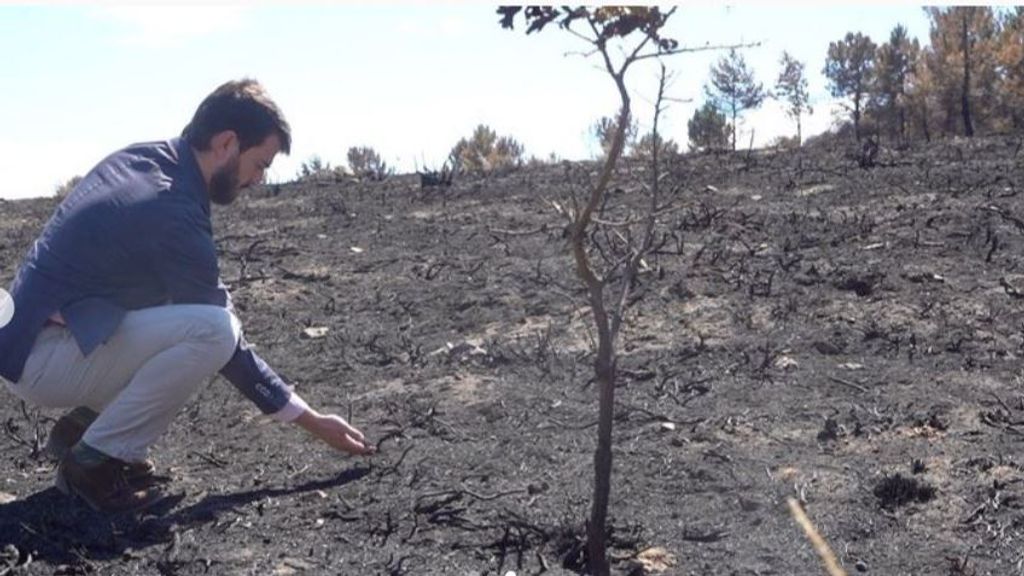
x=292, y=410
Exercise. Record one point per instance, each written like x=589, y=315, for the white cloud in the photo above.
x=161, y=25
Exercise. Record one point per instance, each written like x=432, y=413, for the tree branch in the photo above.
x=648, y=235
x=691, y=49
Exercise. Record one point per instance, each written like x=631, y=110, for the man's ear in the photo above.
x=224, y=144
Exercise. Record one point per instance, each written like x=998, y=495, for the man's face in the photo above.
x=242, y=170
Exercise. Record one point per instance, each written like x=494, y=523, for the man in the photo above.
x=120, y=312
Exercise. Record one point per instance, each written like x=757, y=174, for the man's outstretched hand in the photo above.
x=335, y=432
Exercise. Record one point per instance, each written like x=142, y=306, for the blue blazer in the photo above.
x=134, y=233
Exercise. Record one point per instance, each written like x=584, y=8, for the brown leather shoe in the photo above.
x=101, y=482
x=70, y=428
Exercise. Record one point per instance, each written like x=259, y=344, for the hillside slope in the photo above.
x=849, y=336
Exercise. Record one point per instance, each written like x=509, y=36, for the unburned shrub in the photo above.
x=485, y=152
x=317, y=170
x=366, y=164
x=604, y=131
x=64, y=189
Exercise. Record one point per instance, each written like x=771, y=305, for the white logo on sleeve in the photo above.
x=6, y=308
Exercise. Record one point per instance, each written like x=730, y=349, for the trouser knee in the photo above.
x=218, y=332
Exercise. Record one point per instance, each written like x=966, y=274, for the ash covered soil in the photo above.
x=850, y=336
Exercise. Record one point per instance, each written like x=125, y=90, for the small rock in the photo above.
x=786, y=363
x=861, y=566
x=668, y=426
x=6, y=498
x=315, y=332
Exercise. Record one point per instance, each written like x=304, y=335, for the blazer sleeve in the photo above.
x=185, y=260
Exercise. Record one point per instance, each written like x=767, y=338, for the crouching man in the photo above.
x=119, y=311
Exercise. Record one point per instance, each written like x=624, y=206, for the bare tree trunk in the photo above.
x=903, y=125
x=604, y=368
x=732, y=108
x=734, y=126
x=856, y=116
x=965, y=93
x=924, y=123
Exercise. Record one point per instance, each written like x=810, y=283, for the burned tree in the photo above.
x=962, y=51
x=638, y=32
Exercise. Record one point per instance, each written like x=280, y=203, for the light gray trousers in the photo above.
x=138, y=380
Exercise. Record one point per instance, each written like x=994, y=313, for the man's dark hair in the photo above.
x=243, y=107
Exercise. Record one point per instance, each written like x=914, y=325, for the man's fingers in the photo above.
x=369, y=449
x=346, y=428
x=357, y=446
x=347, y=437
x=354, y=432
x=350, y=430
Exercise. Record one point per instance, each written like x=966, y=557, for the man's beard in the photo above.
x=224, y=183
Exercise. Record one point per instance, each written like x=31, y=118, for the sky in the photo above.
x=82, y=80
